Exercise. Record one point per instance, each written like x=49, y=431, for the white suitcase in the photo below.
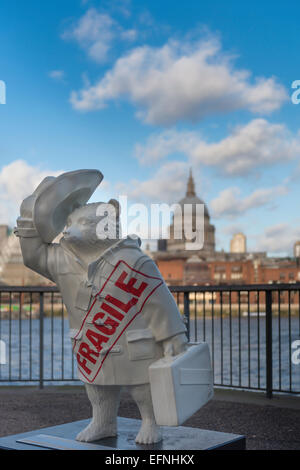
x=181, y=385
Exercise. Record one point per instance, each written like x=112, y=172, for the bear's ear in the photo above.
x=116, y=205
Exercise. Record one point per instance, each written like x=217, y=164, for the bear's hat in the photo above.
x=60, y=198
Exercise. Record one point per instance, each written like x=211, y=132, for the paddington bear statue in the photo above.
x=122, y=316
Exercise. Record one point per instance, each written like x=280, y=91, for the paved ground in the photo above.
x=267, y=424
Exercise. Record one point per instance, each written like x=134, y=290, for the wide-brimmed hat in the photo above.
x=60, y=198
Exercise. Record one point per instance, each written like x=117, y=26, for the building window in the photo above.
x=220, y=273
x=219, y=269
x=236, y=269
x=236, y=276
x=220, y=276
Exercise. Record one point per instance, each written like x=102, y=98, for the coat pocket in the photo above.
x=75, y=333
x=117, y=349
x=140, y=344
x=83, y=296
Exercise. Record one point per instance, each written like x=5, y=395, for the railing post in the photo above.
x=41, y=340
x=269, y=346
x=186, y=310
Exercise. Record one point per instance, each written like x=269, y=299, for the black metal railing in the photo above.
x=253, y=332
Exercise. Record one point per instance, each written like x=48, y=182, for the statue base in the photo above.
x=62, y=437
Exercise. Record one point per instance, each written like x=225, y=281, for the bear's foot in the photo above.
x=148, y=434
x=94, y=431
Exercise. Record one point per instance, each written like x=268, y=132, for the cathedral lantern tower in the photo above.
x=178, y=244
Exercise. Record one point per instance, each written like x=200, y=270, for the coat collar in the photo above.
x=131, y=241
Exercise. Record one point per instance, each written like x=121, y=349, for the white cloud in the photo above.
x=279, y=238
x=230, y=204
x=17, y=181
x=256, y=144
x=122, y=7
x=57, y=74
x=181, y=80
x=96, y=32
x=160, y=145
x=129, y=34
x=167, y=185
x=233, y=229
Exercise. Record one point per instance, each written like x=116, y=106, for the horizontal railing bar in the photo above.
x=36, y=381
x=211, y=288
x=28, y=289
x=234, y=288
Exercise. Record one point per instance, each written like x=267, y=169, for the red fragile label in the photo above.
x=120, y=300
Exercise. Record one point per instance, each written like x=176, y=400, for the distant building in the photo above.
x=190, y=200
x=162, y=245
x=3, y=234
x=297, y=249
x=238, y=243
x=196, y=271
x=178, y=265
x=210, y=267
x=12, y=269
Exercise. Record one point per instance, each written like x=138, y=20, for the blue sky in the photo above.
x=145, y=90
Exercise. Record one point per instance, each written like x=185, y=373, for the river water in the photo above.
x=237, y=350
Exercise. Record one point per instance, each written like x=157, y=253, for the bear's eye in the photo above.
x=86, y=221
